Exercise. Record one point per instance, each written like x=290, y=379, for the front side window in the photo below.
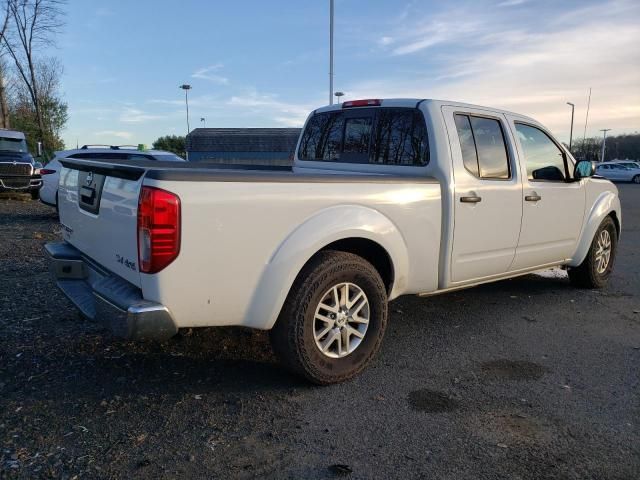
x=484, y=152
x=544, y=159
x=388, y=136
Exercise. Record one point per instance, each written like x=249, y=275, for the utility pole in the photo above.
x=571, y=134
x=330, y=52
x=186, y=89
x=604, y=142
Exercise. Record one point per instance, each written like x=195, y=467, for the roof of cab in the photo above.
x=414, y=102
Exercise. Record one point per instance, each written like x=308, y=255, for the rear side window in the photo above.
x=388, y=136
x=484, y=152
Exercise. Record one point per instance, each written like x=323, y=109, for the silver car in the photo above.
x=619, y=172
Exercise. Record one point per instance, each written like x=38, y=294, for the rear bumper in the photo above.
x=106, y=298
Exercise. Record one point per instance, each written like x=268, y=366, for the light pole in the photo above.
x=604, y=142
x=186, y=89
x=339, y=95
x=571, y=134
x=204, y=122
x=330, y=52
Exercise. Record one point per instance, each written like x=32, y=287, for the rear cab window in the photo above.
x=378, y=135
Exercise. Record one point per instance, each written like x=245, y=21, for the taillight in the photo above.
x=158, y=229
x=46, y=171
x=374, y=102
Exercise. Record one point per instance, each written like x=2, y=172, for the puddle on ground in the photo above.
x=513, y=370
x=430, y=401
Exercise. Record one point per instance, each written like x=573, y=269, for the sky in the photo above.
x=255, y=63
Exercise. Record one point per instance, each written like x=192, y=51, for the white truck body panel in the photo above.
x=244, y=243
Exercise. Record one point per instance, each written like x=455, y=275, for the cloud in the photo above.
x=511, y=3
x=526, y=66
x=114, y=133
x=207, y=73
x=134, y=115
x=282, y=113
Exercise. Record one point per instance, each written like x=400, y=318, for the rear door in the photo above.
x=487, y=197
x=553, y=207
x=98, y=206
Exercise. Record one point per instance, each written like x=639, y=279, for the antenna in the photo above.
x=586, y=119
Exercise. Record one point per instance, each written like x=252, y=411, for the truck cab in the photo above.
x=19, y=172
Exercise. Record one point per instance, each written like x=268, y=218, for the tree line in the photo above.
x=30, y=99
x=618, y=147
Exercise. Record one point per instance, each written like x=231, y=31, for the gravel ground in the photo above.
x=527, y=378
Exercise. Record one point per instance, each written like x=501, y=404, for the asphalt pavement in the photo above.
x=522, y=379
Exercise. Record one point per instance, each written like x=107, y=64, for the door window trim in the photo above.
x=507, y=145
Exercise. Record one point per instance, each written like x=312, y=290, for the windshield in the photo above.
x=13, y=145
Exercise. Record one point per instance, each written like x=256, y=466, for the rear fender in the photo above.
x=327, y=226
x=606, y=203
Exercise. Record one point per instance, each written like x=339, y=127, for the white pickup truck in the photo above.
x=385, y=198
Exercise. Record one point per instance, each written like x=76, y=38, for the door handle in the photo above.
x=534, y=197
x=472, y=198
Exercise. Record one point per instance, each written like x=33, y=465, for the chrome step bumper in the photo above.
x=107, y=298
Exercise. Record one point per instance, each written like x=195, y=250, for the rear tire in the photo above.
x=321, y=333
x=596, y=268
x=636, y=179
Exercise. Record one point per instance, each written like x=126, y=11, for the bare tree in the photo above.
x=4, y=109
x=34, y=23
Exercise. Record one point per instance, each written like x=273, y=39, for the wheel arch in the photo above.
x=606, y=204
x=352, y=228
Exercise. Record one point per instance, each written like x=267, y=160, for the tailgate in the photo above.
x=98, y=205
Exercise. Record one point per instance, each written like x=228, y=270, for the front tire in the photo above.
x=333, y=320
x=596, y=268
x=35, y=194
x=636, y=179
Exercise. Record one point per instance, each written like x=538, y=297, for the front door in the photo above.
x=488, y=194
x=553, y=208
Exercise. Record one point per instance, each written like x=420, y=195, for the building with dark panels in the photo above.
x=254, y=146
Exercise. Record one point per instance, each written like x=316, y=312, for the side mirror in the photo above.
x=584, y=169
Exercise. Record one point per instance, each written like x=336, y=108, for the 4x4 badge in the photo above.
x=89, y=178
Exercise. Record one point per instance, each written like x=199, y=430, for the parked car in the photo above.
x=385, y=198
x=618, y=172
x=51, y=174
x=19, y=172
x=628, y=163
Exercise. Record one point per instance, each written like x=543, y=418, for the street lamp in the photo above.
x=330, y=52
x=604, y=142
x=571, y=134
x=186, y=89
x=204, y=121
x=339, y=95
